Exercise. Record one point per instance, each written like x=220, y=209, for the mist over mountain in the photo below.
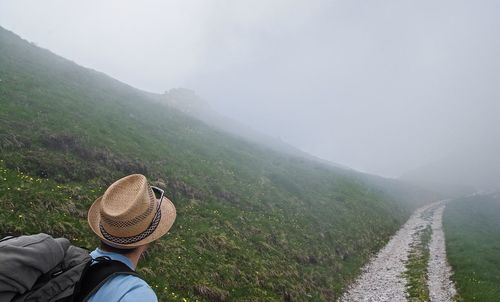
x=383, y=87
x=467, y=170
x=188, y=102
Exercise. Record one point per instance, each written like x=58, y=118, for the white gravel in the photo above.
x=382, y=278
x=441, y=288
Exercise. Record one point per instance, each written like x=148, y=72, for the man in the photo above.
x=127, y=218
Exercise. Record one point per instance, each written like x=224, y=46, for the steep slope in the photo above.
x=252, y=223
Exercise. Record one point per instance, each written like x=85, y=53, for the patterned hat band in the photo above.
x=136, y=238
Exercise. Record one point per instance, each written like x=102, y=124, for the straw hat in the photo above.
x=129, y=215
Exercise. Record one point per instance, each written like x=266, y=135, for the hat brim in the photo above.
x=168, y=214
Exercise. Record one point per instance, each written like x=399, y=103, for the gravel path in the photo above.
x=441, y=288
x=382, y=278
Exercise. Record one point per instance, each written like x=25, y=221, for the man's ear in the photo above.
x=144, y=251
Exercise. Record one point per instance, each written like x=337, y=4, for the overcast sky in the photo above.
x=380, y=86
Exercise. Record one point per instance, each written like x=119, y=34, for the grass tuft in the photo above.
x=416, y=267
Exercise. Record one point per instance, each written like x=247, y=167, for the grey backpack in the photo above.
x=40, y=268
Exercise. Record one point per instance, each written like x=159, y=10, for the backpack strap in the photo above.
x=100, y=270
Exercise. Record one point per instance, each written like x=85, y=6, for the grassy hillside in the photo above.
x=253, y=224
x=472, y=228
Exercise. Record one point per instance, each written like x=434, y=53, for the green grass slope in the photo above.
x=253, y=224
x=472, y=229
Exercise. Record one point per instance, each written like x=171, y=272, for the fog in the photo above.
x=385, y=87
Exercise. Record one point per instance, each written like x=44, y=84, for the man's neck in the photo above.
x=133, y=256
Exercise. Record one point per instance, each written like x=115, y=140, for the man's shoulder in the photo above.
x=125, y=288
x=139, y=290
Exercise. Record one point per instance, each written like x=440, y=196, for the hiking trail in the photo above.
x=383, y=279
